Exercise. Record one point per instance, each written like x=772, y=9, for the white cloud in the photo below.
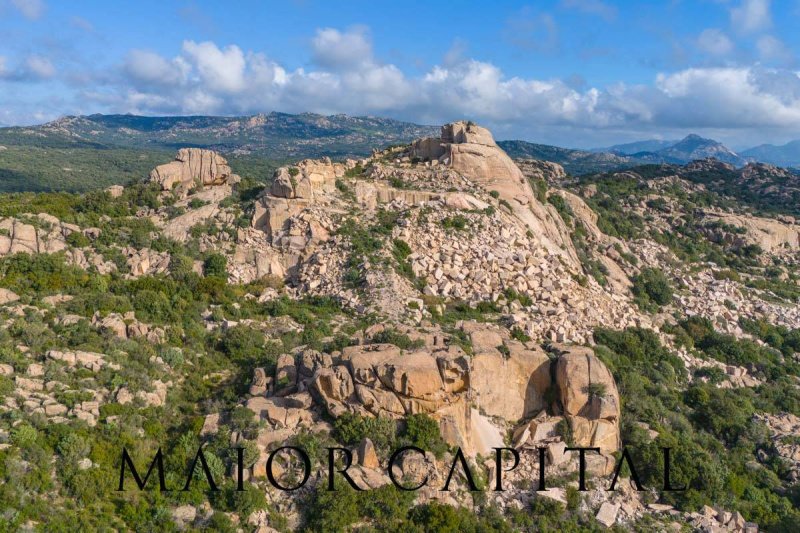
x=150, y=69
x=30, y=9
x=713, y=41
x=219, y=69
x=727, y=98
x=208, y=79
x=341, y=50
x=40, y=67
x=751, y=16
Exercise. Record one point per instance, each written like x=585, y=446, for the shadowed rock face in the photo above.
x=193, y=166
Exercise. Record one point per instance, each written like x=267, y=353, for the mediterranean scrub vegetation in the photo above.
x=718, y=446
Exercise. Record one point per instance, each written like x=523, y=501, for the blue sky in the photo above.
x=571, y=72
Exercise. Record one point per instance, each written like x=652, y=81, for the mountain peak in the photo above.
x=694, y=146
x=696, y=137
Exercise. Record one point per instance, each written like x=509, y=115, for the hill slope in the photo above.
x=427, y=295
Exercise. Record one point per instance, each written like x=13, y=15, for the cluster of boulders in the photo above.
x=513, y=242
x=493, y=260
x=36, y=395
x=145, y=261
x=552, y=173
x=705, y=290
x=125, y=326
x=503, y=384
x=154, y=398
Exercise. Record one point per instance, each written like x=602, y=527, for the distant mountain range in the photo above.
x=690, y=148
x=278, y=136
x=574, y=161
x=787, y=155
x=84, y=152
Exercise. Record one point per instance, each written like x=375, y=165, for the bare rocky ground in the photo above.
x=406, y=235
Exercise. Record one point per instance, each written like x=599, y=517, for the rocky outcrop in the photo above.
x=471, y=151
x=294, y=189
x=193, y=167
x=536, y=169
x=771, y=235
x=475, y=399
x=524, y=373
x=31, y=234
x=146, y=261
x=604, y=247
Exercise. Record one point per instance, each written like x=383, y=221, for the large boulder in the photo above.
x=193, y=167
x=510, y=387
x=589, y=399
x=7, y=296
x=19, y=237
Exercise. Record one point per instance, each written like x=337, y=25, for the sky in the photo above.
x=577, y=73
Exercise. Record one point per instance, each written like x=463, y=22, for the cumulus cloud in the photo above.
x=207, y=78
x=713, y=41
x=147, y=68
x=334, y=49
x=30, y=9
x=219, y=69
x=744, y=97
x=751, y=16
x=346, y=77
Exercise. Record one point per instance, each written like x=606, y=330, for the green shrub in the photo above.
x=401, y=340
x=77, y=239
x=456, y=222
x=422, y=431
x=216, y=266
x=652, y=288
x=350, y=429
